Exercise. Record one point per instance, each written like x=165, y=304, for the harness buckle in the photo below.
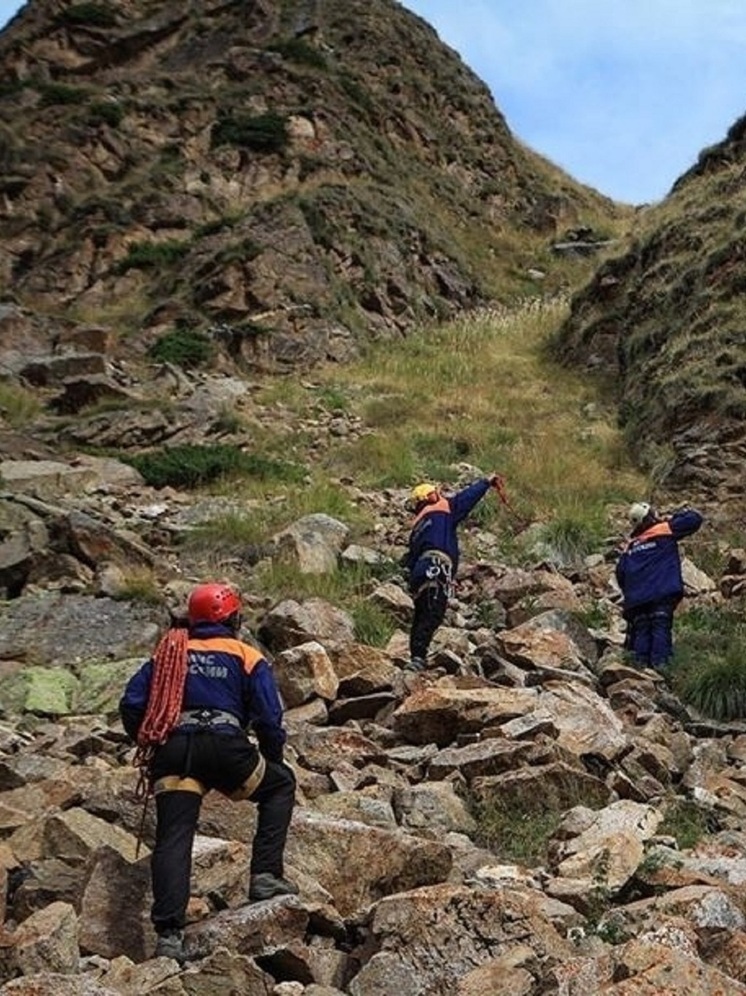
x=206, y=719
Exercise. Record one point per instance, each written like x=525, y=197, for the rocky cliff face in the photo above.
x=666, y=319
x=292, y=177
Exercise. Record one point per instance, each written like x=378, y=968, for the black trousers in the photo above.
x=430, y=604
x=223, y=762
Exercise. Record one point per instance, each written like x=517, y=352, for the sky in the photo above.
x=622, y=94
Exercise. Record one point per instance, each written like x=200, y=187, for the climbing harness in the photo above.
x=439, y=574
x=205, y=719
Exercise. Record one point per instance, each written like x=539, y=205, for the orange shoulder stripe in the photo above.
x=441, y=505
x=659, y=529
x=248, y=655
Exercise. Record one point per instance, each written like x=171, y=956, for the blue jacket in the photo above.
x=649, y=567
x=223, y=673
x=434, y=527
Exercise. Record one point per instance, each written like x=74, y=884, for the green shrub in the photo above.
x=332, y=399
x=709, y=666
x=11, y=88
x=389, y=410
x=437, y=452
x=373, y=625
x=281, y=577
x=320, y=222
x=140, y=586
x=148, y=255
x=686, y=821
x=571, y=537
x=117, y=213
x=490, y=613
x=517, y=824
x=169, y=164
x=186, y=348
x=377, y=460
x=17, y=405
x=105, y=112
x=260, y=132
x=228, y=420
x=228, y=531
x=516, y=833
x=308, y=165
x=210, y=228
x=95, y=14
x=298, y=50
x=190, y=466
x=596, y=615
x=238, y=252
x=223, y=223
x=717, y=688
x=356, y=92
x=254, y=527
x=61, y=93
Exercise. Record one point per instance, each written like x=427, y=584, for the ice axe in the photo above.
x=498, y=483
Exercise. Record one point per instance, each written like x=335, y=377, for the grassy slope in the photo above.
x=475, y=395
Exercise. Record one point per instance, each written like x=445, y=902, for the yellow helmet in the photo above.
x=422, y=492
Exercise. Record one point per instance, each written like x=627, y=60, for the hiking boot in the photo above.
x=170, y=944
x=265, y=885
x=415, y=664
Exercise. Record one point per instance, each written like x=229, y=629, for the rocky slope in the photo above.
x=294, y=178
x=530, y=815
x=416, y=792
x=666, y=321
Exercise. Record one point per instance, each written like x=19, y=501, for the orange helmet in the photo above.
x=212, y=602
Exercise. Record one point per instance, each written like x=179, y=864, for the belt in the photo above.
x=205, y=719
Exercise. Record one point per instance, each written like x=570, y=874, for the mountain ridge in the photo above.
x=666, y=321
x=331, y=168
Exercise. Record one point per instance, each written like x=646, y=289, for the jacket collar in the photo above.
x=441, y=505
x=206, y=630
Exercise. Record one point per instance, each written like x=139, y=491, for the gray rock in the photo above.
x=65, y=629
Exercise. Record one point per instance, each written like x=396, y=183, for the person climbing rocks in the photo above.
x=433, y=556
x=188, y=708
x=648, y=572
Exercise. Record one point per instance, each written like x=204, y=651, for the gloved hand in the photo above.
x=497, y=481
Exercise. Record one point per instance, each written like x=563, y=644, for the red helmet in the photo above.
x=212, y=602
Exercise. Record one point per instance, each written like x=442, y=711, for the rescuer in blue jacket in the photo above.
x=433, y=557
x=216, y=688
x=649, y=575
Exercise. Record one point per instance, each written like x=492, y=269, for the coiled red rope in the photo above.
x=164, y=701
